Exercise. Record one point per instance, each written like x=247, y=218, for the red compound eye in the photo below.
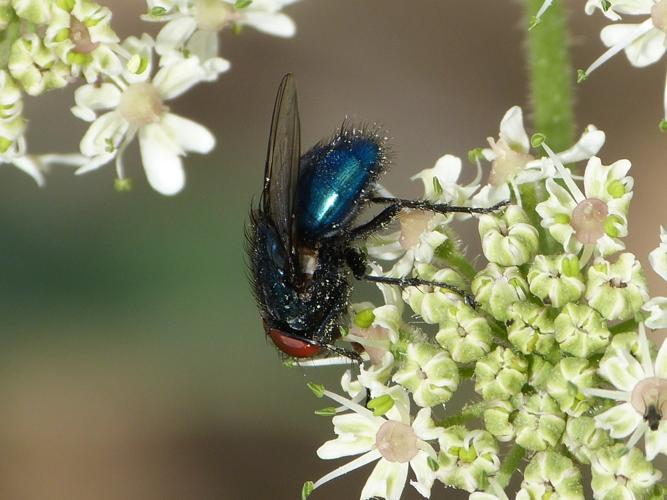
x=292, y=347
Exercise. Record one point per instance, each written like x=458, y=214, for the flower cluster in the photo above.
x=555, y=348
x=49, y=44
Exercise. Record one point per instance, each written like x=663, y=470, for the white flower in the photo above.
x=396, y=442
x=193, y=26
x=441, y=183
x=594, y=220
x=136, y=105
x=80, y=33
x=657, y=306
x=513, y=165
x=644, y=43
x=641, y=389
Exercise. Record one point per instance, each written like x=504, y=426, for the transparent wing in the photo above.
x=282, y=168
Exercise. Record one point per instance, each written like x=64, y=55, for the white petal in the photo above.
x=643, y=51
x=620, y=420
x=106, y=96
x=386, y=481
x=95, y=163
x=656, y=441
x=273, y=24
x=175, y=79
x=189, y=135
x=588, y=145
x=512, y=130
x=661, y=361
x=162, y=164
x=204, y=45
x=657, y=308
x=658, y=260
x=424, y=473
x=174, y=34
x=30, y=167
x=106, y=130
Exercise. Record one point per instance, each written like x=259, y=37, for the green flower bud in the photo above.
x=618, y=290
x=500, y=374
x=433, y=305
x=581, y=331
x=465, y=334
x=467, y=458
x=583, y=438
x=429, y=374
x=540, y=371
x=551, y=475
x=496, y=288
x=35, y=67
x=619, y=473
x=567, y=379
x=35, y=11
x=539, y=423
x=508, y=239
x=531, y=328
x=557, y=279
x=498, y=417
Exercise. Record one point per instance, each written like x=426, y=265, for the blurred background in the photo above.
x=133, y=363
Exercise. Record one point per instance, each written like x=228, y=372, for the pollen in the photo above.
x=588, y=220
x=397, y=442
x=141, y=104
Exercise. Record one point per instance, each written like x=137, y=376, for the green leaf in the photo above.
x=242, y=4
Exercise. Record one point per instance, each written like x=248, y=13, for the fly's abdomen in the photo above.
x=333, y=181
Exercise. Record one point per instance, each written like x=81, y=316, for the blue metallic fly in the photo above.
x=300, y=241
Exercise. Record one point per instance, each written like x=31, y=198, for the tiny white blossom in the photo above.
x=512, y=164
x=594, y=219
x=644, y=43
x=657, y=306
x=641, y=388
x=395, y=441
x=134, y=104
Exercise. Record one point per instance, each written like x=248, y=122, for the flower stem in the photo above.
x=550, y=77
x=510, y=465
x=469, y=412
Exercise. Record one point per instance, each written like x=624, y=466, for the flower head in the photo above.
x=395, y=441
x=640, y=385
x=135, y=105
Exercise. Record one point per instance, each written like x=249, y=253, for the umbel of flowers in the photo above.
x=124, y=86
x=566, y=382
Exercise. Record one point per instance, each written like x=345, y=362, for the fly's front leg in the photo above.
x=468, y=298
x=441, y=208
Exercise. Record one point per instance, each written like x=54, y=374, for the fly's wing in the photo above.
x=282, y=168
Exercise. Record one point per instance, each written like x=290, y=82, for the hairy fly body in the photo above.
x=300, y=241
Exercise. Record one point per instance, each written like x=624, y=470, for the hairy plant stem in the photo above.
x=469, y=412
x=550, y=77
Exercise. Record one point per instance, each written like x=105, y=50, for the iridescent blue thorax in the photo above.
x=334, y=179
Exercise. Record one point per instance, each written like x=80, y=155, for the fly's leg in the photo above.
x=468, y=298
x=441, y=208
x=357, y=263
x=397, y=204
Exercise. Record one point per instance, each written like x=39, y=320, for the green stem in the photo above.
x=510, y=465
x=467, y=413
x=550, y=76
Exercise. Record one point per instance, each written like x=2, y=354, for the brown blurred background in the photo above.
x=133, y=364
